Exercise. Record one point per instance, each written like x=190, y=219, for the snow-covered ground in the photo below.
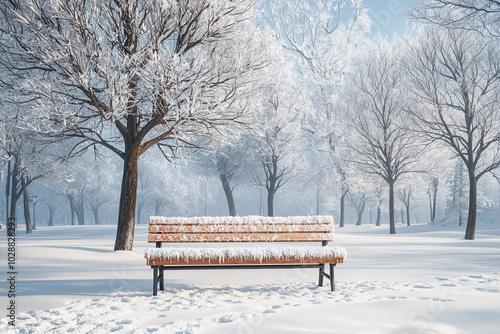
x=425, y=279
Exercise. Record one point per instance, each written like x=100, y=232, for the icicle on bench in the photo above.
x=242, y=229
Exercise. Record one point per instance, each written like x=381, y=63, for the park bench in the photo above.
x=266, y=230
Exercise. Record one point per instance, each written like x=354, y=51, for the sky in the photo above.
x=388, y=16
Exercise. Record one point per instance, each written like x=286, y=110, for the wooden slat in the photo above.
x=234, y=237
x=279, y=228
x=256, y=221
x=249, y=261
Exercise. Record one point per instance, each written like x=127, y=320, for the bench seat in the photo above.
x=239, y=255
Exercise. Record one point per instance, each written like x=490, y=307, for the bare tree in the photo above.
x=277, y=137
x=131, y=74
x=382, y=136
x=359, y=203
x=456, y=84
x=322, y=37
x=480, y=15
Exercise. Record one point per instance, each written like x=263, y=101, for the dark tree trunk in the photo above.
x=408, y=212
x=140, y=205
x=26, y=205
x=7, y=191
x=229, y=194
x=392, y=222
x=128, y=199
x=470, y=230
x=80, y=211
x=430, y=207
x=342, y=208
x=360, y=210
x=14, y=194
x=158, y=206
x=71, y=199
x=51, y=215
x=95, y=211
x=270, y=203
x=434, y=201
x=379, y=214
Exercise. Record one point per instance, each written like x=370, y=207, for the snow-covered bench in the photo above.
x=242, y=229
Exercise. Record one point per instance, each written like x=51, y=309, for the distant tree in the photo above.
x=456, y=77
x=130, y=75
x=382, y=134
x=276, y=138
x=322, y=36
x=358, y=200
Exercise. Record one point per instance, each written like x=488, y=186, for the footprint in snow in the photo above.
x=423, y=286
x=226, y=319
x=125, y=322
x=116, y=329
x=441, y=278
x=488, y=290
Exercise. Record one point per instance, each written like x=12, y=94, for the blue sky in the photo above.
x=388, y=16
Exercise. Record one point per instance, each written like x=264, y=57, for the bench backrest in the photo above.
x=240, y=229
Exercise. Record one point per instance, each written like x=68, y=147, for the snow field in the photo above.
x=425, y=279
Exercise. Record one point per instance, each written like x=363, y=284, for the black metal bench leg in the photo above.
x=321, y=272
x=161, y=278
x=155, y=280
x=332, y=277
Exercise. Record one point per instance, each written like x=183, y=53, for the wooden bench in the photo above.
x=267, y=230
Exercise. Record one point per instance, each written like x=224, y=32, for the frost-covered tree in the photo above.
x=480, y=15
x=226, y=164
x=322, y=37
x=131, y=74
x=382, y=134
x=456, y=78
x=277, y=135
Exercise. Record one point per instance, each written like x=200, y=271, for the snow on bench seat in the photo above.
x=252, y=255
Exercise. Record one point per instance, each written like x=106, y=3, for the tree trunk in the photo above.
x=51, y=215
x=470, y=230
x=379, y=214
x=14, y=194
x=158, y=206
x=229, y=194
x=7, y=191
x=430, y=207
x=71, y=199
x=26, y=204
x=128, y=199
x=140, y=205
x=270, y=203
x=408, y=212
x=79, y=207
x=360, y=210
x=434, y=200
x=342, y=208
x=392, y=223
x=95, y=210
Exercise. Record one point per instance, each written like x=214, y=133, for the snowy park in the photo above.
x=425, y=279
x=250, y=166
